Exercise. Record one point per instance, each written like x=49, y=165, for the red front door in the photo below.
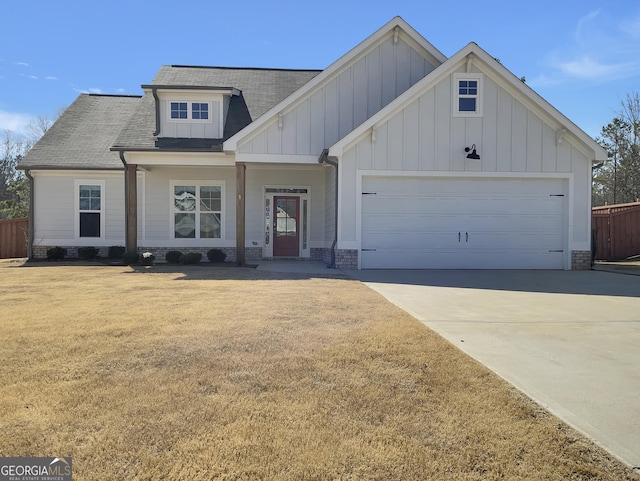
x=286, y=221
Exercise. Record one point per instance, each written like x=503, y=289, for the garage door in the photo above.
x=446, y=223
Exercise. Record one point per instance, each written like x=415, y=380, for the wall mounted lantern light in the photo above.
x=473, y=155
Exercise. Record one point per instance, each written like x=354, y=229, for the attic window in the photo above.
x=178, y=110
x=189, y=111
x=467, y=95
x=200, y=111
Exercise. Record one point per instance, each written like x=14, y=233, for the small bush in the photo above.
x=173, y=257
x=190, y=258
x=88, y=252
x=116, y=252
x=147, y=258
x=56, y=253
x=216, y=255
x=130, y=258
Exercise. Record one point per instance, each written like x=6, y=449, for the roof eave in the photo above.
x=68, y=167
x=217, y=150
x=207, y=88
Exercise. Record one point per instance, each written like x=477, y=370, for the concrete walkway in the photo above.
x=568, y=339
x=298, y=267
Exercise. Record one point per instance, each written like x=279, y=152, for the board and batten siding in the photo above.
x=425, y=136
x=329, y=205
x=356, y=93
x=54, y=215
x=198, y=129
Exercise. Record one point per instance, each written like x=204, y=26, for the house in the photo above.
x=394, y=156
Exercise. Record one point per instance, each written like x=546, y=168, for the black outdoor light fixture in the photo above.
x=473, y=155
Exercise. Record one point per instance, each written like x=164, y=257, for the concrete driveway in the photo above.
x=569, y=339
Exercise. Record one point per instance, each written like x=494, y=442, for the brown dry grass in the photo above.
x=202, y=373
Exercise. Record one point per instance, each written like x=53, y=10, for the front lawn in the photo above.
x=204, y=373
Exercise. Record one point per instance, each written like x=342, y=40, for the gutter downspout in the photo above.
x=157, y=101
x=324, y=159
x=31, y=211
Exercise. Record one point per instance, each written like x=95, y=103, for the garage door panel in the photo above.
x=463, y=223
x=402, y=241
x=418, y=241
x=430, y=204
x=514, y=241
x=411, y=222
x=522, y=223
x=411, y=204
x=449, y=259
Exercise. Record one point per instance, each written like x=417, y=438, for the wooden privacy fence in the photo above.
x=14, y=236
x=616, y=231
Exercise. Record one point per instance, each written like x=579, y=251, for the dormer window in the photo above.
x=467, y=95
x=200, y=111
x=189, y=110
x=178, y=110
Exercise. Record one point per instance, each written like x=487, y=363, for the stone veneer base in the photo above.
x=580, y=260
x=345, y=258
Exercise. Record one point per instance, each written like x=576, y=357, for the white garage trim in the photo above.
x=489, y=230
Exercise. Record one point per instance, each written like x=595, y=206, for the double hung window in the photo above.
x=90, y=209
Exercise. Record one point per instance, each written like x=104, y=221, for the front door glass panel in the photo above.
x=286, y=219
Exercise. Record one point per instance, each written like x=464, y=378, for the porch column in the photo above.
x=131, y=207
x=240, y=211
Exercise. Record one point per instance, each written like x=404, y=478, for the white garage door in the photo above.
x=445, y=223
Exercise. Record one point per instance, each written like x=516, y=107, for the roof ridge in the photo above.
x=247, y=68
x=113, y=95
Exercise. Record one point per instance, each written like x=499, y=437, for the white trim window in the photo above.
x=89, y=208
x=188, y=111
x=467, y=95
x=178, y=111
x=197, y=210
x=200, y=110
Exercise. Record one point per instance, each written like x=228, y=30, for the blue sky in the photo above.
x=581, y=56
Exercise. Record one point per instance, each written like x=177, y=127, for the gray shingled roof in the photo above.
x=261, y=90
x=83, y=134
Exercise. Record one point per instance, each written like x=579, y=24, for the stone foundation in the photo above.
x=40, y=252
x=161, y=252
x=252, y=253
x=318, y=254
x=346, y=259
x=580, y=260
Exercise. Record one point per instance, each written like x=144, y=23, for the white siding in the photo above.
x=158, y=204
x=329, y=205
x=344, y=102
x=425, y=136
x=348, y=197
x=283, y=176
x=512, y=136
x=55, y=211
x=209, y=129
